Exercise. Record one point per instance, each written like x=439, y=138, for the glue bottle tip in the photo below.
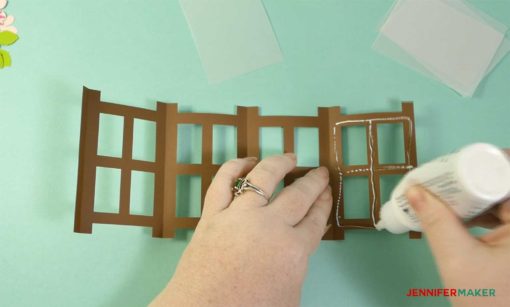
x=380, y=225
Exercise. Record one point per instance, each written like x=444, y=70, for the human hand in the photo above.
x=246, y=252
x=464, y=261
x=492, y=218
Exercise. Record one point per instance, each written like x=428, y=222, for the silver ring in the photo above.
x=242, y=184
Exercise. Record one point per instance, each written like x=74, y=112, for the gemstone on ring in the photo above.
x=242, y=184
x=238, y=184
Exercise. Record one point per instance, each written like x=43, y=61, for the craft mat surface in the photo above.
x=138, y=54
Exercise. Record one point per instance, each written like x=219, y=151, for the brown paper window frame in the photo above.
x=248, y=122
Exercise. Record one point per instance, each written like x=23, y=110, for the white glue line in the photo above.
x=371, y=165
x=385, y=167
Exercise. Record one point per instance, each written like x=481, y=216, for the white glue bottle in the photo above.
x=469, y=180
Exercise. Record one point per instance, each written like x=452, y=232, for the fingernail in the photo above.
x=290, y=155
x=327, y=228
x=416, y=197
x=251, y=158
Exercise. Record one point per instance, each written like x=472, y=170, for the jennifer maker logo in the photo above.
x=451, y=292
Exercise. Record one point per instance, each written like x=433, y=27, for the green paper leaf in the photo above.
x=1, y=61
x=5, y=58
x=7, y=38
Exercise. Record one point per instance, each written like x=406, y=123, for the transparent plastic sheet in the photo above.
x=466, y=8
x=233, y=37
x=389, y=49
x=444, y=55
x=452, y=45
x=504, y=48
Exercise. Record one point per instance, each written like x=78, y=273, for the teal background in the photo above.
x=139, y=52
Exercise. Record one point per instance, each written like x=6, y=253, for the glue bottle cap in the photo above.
x=484, y=169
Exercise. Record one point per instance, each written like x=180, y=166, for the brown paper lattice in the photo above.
x=248, y=122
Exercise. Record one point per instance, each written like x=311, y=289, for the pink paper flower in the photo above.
x=6, y=21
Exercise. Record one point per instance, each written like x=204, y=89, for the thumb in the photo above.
x=445, y=233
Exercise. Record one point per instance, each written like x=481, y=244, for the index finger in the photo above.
x=313, y=226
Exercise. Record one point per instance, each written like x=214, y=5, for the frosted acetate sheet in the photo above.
x=233, y=37
x=443, y=39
